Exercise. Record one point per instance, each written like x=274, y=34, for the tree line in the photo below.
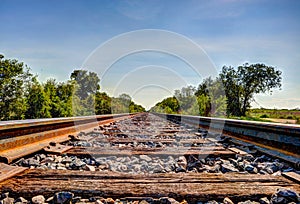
x=229, y=94
x=22, y=96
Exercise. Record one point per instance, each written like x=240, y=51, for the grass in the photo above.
x=251, y=118
x=262, y=114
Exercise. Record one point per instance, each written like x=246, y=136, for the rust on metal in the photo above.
x=292, y=176
x=22, y=145
x=7, y=171
x=237, y=151
x=57, y=148
x=281, y=138
x=180, y=186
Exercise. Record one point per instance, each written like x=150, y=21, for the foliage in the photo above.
x=207, y=100
x=292, y=114
x=86, y=85
x=22, y=96
x=242, y=83
x=169, y=105
x=38, y=102
x=102, y=103
x=187, y=100
x=124, y=104
x=60, y=96
x=14, y=79
x=211, y=97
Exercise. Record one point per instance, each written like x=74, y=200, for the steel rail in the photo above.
x=22, y=137
x=283, y=139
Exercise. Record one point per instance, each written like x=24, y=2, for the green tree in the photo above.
x=102, y=103
x=241, y=85
x=64, y=92
x=50, y=89
x=187, y=100
x=86, y=85
x=134, y=108
x=14, y=80
x=168, y=105
x=38, y=102
x=60, y=97
x=211, y=97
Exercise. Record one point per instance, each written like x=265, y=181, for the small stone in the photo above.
x=66, y=160
x=90, y=168
x=8, y=200
x=214, y=169
x=233, y=161
x=288, y=194
x=278, y=200
x=110, y=201
x=122, y=168
x=145, y=157
x=47, y=160
x=61, y=168
x=251, y=169
x=249, y=157
x=264, y=200
x=78, y=163
x=228, y=168
x=248, y=202
x=180, y=169
x=76, y=199
x=21, y=200
x=63, y=197
x=271, y=168
x=39, y=199
x=263, y=172
x=227, y=201
x=4, y=195
x=212, y=202
x=143, y=202
x=167, y=200
x=182, y=162
x=98, y=202
x=32, y=162
x=49, y=200
x=184, y=202
x=158, y=168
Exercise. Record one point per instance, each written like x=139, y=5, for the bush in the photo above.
x=264, y=116
x=289, y=117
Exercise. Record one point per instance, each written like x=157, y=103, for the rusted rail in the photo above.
x=281, y=140
x=204, y=169
x=20, y=138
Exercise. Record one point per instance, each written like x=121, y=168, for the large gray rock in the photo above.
x=7, y=200
x=227, y=201
x=63, y=197
x=21, y=200
x=182, y=162
x=167, y=200
x=145, y=157
x=285, y=195
x=251, y=169
x=39, y=199
x=228, y=168
x=264, y=200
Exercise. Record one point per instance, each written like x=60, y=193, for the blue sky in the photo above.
x=54, y=37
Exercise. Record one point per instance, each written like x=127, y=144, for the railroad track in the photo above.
x=149, y=158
